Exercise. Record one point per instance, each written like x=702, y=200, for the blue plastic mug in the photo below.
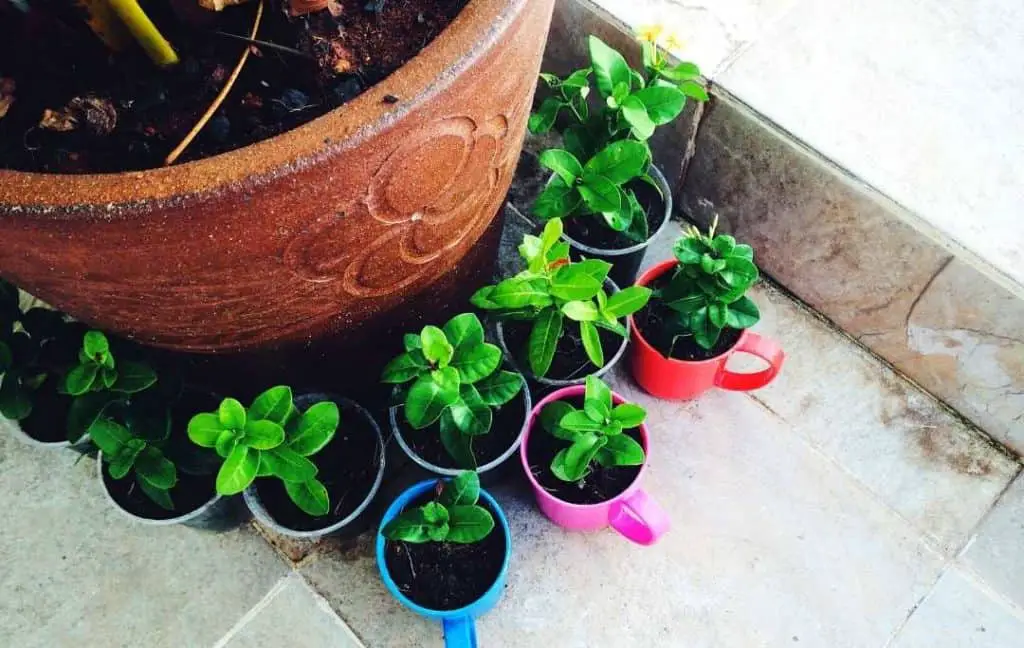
x=459, y=626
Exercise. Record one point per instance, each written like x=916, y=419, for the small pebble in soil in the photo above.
x=390, y=99
x=291, y=100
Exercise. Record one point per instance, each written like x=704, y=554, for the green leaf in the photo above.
x=682, y=72
x=551, y=234
x=459, y=446
x=476, y=362
x=573, y=463
x=579, y=281
x=600, y=194
x=150, y=423
x=662, y=103
x=544, y=336
x=515, y=293
x=430, y=395
x=133, y=377
x=108, y=377
x=705, y=333
x=408, y=526
x=15, y=402
x=471, y=419
x=610, y=68
x=157, y=469
x=95, y=345
x=557, y=200
x=468, y=524
x=463, y=490
x=580, y=311
x=315, y=429
x=120, y=463
x=5, y=357
x=619, y=162
x=542, y=120
x=436, y=348
x=577, y=141
x=411, y=342
x=592, y=343
x=109, y=436
x=743, y=251
x=262, y=435
x=226, y=442
x=621, y=450
x=596, y=411
x=231, y=414
x=635, y=114
x=204, y=429
x=694, y=90
x=499, y=388
x=628, y=301
x=743, y=313
x=288, y=465
x=551, y=416
x=275, y=405
x=688, y=250
x=464, y=330
x=238, y=470
x=579, y=421
x=563, y=163
x=310, y=496
x=598, y=391
x=80, y=379
x=160, y=496
x=724, y=244
x=629, y=415
x=718, y=313
x=405, y=367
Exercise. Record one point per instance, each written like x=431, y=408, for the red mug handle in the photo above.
x=763, y=348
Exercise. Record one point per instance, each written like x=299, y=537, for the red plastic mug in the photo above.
x=673, y=379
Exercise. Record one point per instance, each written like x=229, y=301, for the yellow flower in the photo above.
x=673, y=41
x=650, y=33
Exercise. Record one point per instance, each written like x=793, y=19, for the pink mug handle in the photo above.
x=767, y=350
x=639, y=518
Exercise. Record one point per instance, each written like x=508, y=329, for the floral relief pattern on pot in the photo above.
x=420, y=216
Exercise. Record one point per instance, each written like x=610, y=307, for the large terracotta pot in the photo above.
x=371, y=210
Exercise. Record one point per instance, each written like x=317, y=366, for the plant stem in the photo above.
x=145, y=32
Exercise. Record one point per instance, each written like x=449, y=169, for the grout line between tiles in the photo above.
x=978, y=581
x=326, y=608
x=253, y=611
x=1019, y=475
x=910, y=613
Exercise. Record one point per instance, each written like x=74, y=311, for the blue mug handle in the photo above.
x=460, y=632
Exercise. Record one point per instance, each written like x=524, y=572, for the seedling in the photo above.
x=595, y=432
x=98, y=381
x=453, y=517
x=708, y=289
x=125, y=452
x=605, y=148
x=456, y=380
x=269, y=439
x=552, y=289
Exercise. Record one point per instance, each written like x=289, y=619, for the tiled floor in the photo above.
x=838, y=507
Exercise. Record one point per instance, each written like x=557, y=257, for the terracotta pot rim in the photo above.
x=475, y=29
x=562, y=394
x=647, y=277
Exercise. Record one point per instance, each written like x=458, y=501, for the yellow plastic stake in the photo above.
x=145, y=32
x=105, y=24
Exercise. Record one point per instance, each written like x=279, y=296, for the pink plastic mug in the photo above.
x=633, y=513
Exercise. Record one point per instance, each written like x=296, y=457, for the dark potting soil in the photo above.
x=600, y=485
x=594, y=232
x=570, y=361
x=191, y=492
x=508, y=423
x=656, y=322
x=443, y=575
x=50, y=58
x=347, y=466
x=48, y=421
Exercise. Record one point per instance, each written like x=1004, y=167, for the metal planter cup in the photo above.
x=459, y=625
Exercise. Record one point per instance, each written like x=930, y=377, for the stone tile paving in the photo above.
x=827, y=510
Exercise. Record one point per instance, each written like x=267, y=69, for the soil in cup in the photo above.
x=600, y=485
x=508, y=423
x=570, y=361
x=446, y=575
x=657, y=323
x=593, y=231
x=347, y=466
